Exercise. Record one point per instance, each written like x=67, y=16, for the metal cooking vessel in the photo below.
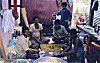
x=44, y=59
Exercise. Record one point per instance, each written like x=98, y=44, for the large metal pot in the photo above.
x=50, y=60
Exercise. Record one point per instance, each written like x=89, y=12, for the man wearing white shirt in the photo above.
x=36, y=28
x=22, y=44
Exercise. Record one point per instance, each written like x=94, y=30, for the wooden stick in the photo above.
x=2, y=49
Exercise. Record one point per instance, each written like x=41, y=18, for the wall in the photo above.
x=42, y=8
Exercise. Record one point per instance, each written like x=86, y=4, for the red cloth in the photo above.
x=15, y=13
x=15, y=6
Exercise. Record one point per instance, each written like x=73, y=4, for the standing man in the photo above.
x=66, y=16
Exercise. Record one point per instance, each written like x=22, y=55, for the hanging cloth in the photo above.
x=15, y=6
x=8, y=21
x=5, y=4
x=15, y=13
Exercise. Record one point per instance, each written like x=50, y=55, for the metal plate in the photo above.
x=21, y=61
x=50, y=60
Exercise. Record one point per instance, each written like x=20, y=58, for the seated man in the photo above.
x=77, y=51
x=22, y=44
x=59, y=32
x=36, y=30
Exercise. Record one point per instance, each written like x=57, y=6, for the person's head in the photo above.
x=25, y=31
x=36, y=19
x=81, y=18
x=64, y=5
x=57, y=24
x=73, y=32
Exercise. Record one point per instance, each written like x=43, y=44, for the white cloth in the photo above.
x=5, y=4
x=22, y=45
x=5, y=36
x=36, y=32
x=8, y=21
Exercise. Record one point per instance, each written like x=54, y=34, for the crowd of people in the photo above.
x=28, y=43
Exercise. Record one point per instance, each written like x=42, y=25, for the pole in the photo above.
x=2, y=49
x=91, y=14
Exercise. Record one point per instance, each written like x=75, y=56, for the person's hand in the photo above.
x=66, y=20
x=59, y=36
x=33, y=50
x=69, y=22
